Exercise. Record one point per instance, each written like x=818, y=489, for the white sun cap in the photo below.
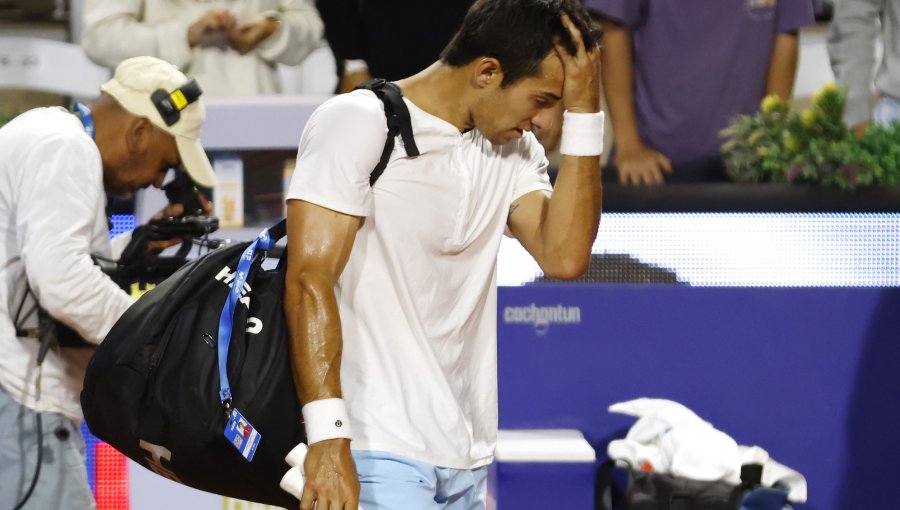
x=132, y=86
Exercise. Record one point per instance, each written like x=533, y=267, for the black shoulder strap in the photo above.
x=398, y=122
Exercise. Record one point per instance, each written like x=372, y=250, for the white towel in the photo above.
x=670, y=438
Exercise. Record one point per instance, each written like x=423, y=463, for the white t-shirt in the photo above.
x=52, y=206
x=418, y=297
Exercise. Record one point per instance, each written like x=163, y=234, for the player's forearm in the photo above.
x=315, y=331
x=572, y=217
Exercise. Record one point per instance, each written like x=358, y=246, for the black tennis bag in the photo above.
x=154, y=390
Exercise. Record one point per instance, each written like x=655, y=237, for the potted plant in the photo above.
x=6, y=116
x=813, y=146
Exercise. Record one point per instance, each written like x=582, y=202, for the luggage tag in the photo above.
x=242, y=435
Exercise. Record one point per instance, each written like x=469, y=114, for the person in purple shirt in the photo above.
x=676, y=71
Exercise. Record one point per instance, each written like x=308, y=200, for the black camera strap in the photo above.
x=49, y=331
x=46, y=342
x=19, y=320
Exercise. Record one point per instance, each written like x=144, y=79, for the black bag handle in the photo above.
x=278, y=230
x=398, y=121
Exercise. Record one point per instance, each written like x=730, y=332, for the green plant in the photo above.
x=884, y=145
x=6, y=116
x=815, y=146
x=755, y=150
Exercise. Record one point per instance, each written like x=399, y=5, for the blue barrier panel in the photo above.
x=809, y=374
x=539, y=486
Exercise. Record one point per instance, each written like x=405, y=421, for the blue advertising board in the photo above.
x=809, y=374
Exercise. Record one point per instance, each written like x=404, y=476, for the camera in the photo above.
x=141, y=265
x=140, y=268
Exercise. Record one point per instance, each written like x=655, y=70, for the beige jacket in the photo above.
x=119, y=29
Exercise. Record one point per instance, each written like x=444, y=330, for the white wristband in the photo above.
x=326, y=419
x=355, y=65
x=582, y=134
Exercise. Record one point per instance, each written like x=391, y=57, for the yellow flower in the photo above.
x=755, y=136
x=827, y=89
x=791, y=143
x=771, y=103
x=809, y=117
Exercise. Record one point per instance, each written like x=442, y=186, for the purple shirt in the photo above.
x=698, y=63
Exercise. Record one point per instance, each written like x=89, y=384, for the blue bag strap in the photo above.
x=263, y=242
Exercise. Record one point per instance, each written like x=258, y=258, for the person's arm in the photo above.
x=851, y=48
x=59, y=206
x=636, y=163
x=319, y=244
x=328, y=195
x=559, y=231
x=288, y=35
x=352, y=73
x=783, y=66
x=114, y=32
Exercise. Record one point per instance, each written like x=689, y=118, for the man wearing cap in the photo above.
x=56, y=168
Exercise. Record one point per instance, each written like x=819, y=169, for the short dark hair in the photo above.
x=518, y=33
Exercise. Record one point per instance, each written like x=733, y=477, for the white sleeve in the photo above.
x=114, y=31
x=59, y=199
x=532, y=175
x=340, y=146
x=119, y=243
x=300, y=31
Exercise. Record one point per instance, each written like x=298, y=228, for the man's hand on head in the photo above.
x=581, y=91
